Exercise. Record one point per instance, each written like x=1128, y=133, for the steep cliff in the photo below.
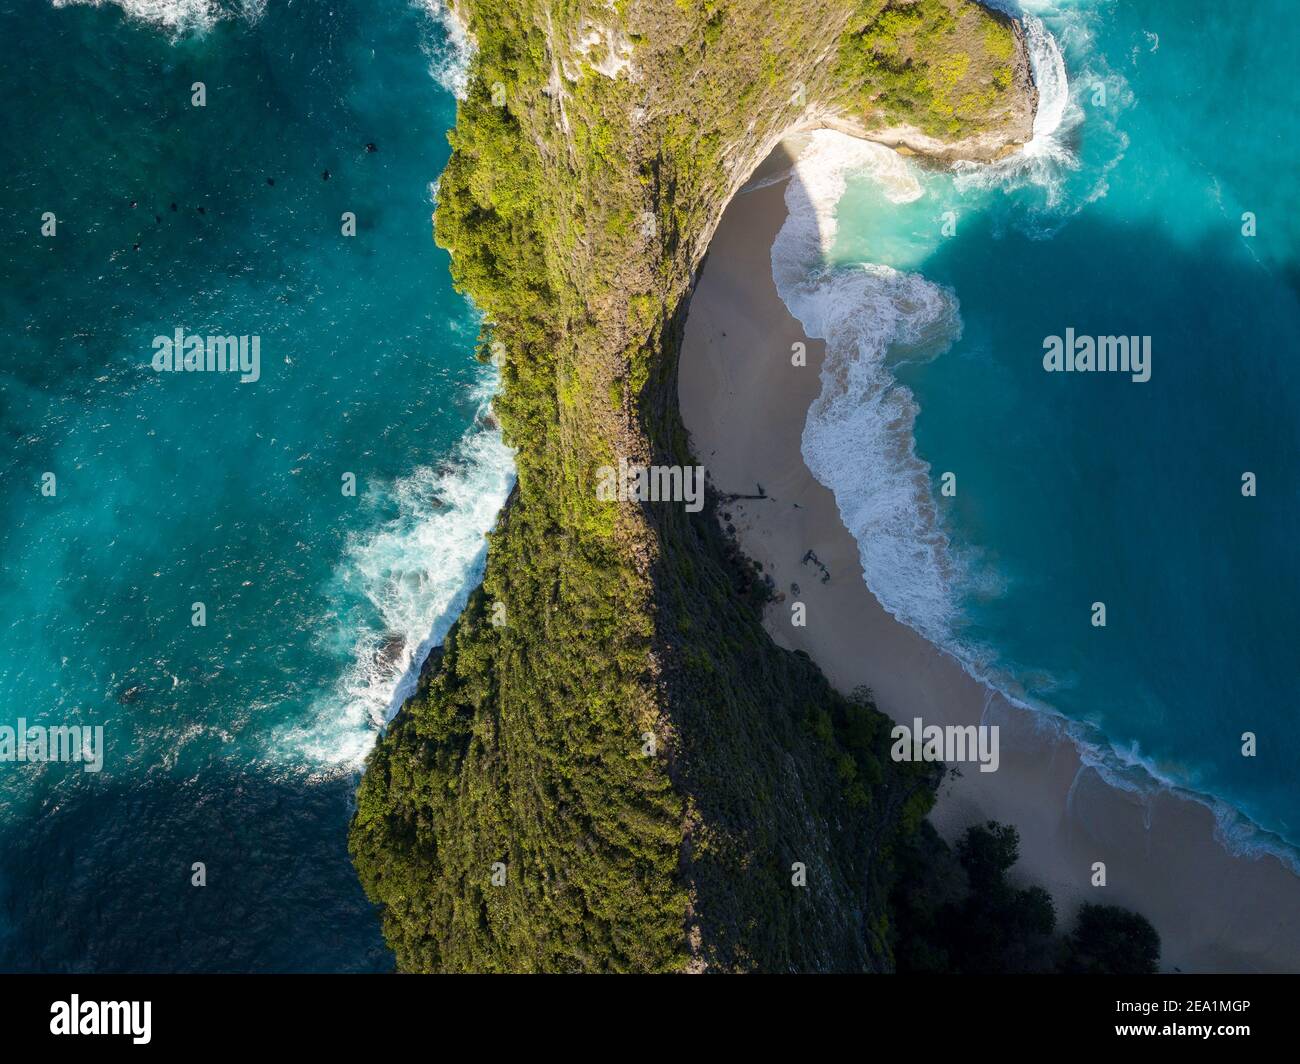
x=611, y=767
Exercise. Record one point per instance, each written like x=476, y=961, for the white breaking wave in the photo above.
x=449, y=55
x=1049, y=77
x=416, y=572
x=181, y=16
x=858, y=438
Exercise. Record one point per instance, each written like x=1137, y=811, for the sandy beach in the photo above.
x=744, y=404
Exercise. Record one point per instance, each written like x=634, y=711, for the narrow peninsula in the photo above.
x=610, y=765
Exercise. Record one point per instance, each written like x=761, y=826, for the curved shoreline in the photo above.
x=745, y=405
x=829, y=303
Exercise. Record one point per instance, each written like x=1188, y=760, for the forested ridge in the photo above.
x=609, y=766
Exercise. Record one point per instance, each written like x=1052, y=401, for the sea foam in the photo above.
x=450, y=51
x=413, y=575
x=1050, y=165
x=181, y=16
x=858, y=438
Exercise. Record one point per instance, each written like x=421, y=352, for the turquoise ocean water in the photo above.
x=1163, y=123
x=234, y=744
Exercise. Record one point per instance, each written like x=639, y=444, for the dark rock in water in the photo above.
x=324, y=175
x=271, y=181
x=131, y=694
x=389, y=653
x=371, y=147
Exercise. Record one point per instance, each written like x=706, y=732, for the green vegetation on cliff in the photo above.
x=610, y=766
x=945, y=66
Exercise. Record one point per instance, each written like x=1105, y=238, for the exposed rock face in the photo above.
x=612, y=767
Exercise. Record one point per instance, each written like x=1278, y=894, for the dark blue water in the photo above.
x=235, y=743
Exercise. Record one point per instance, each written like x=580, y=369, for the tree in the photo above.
x=1108, y=940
